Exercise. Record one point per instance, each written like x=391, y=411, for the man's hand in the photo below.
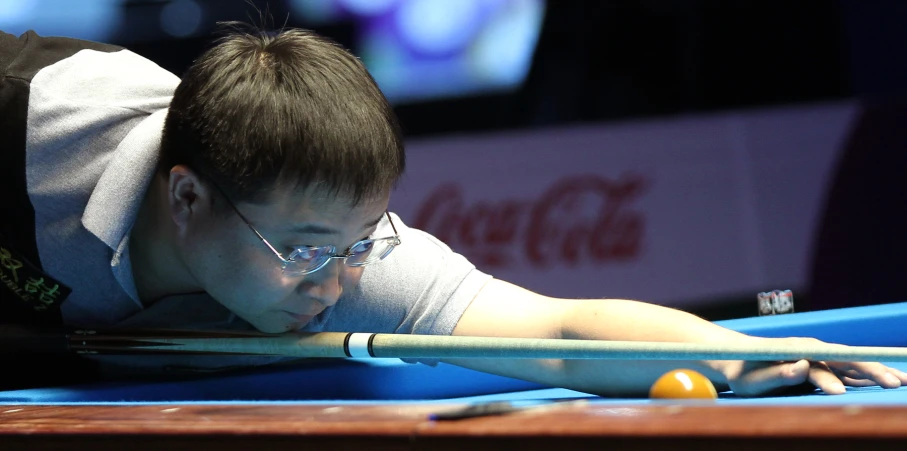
x=505, y=310
x=766, y=378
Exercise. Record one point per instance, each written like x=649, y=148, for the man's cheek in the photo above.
x=351, y=277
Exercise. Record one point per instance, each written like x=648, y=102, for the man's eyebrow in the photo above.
x=314, y=229
x=373, y=222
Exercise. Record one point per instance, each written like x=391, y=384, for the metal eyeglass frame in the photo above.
x=326, y=258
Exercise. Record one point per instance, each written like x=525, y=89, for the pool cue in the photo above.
x=369, y=345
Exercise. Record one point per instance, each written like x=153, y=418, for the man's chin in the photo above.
x=278, y=322
x=277, y=328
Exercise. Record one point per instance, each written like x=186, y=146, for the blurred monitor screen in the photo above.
x=424, y=49
x=415, y=49
x=95, y=20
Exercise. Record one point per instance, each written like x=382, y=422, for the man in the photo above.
x=253, y=194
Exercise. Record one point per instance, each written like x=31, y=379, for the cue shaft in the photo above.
x=365, y=345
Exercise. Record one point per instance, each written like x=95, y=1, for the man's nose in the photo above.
x=326, y=284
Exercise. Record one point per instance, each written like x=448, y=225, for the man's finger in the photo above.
x=880, y=374
x=766, y=379
x=851, y=382
x=822, y=376
x=901, y=375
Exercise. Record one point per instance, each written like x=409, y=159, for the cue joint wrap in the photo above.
x=358, y=345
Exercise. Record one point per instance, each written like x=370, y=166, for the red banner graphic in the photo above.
x=578, y=219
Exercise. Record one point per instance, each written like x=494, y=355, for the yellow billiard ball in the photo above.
x=683, y=384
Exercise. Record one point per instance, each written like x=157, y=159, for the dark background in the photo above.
x=618, y=59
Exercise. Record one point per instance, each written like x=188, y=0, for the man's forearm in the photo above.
x=613, y=319
x=619, y=319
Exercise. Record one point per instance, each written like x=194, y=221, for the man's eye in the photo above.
x=362, y=247
x=305, y=253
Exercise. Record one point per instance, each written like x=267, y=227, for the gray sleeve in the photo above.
x=422, y=287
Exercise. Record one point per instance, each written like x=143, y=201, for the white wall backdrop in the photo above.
x=675, y=211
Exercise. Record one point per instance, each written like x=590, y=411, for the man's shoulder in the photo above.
x=23, y=56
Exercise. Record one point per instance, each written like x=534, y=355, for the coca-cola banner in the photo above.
x=675, y=211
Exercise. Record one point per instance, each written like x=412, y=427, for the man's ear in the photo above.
x=188, y=198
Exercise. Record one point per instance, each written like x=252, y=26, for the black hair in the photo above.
x=261, y=110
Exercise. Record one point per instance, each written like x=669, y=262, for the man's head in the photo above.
x=292, y=131
x=292, y=109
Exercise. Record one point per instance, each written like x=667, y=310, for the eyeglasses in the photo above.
x=304, y=260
